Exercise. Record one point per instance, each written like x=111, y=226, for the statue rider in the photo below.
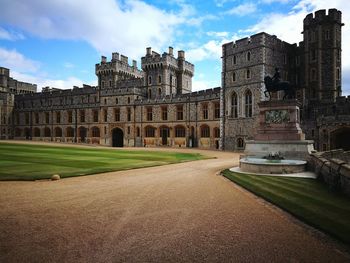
x=277, y=77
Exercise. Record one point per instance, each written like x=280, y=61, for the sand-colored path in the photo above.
x=175, y=213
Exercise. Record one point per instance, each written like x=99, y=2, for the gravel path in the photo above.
x=174, y=213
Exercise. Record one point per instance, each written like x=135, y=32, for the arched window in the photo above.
x=205, y=131
x=233, y=76
x=234, y=60
x=116, y=101
x=95, y=132
x=216, y=132
x=159, y=79
x=150, y=131
x=128, y=100
x=180, y=131
x=149, y=80
x=70, y=132
x=248, y=74
x=234, y=105
x=159, y=92
x=58, y=132
x=248, y=104
x=240, y=143
x=18, y=132
x=248, y=56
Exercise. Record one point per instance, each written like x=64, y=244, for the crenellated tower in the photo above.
x=322, y=55
x=166, y=75
x=109, y=73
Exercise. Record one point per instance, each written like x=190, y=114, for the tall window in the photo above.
x=116, y=100
x=248, y=104
x=180, y=131
x=105, y=115
x=338, y=73
x=117, y=114
x=205, y=131
x=313, y=74
x=138, y=132
x=149, y=114
x=240, y=143
x=36, y=118
x=47, y=117
x=58, y=117
x=95, y=116
x=149, y=93
x=248, y=56
x=234, y=105
x=234, y=60
x=70, y=132
x=82, y=116
x=248, y=74
x=27, y=118
x=179, y=113
x=217, y=110
x=149, y=80
x=233, y=76
x=129, y=114
x=205, y=111
x=159, y=79
x=70, y=116
x=164, y=113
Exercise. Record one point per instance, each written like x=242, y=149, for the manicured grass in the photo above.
x=307, y=199
x=32, y=162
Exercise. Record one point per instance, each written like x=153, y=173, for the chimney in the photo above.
x=149, y=51
x=134, y=64
x=171, y=51
x=181, y=54
x=103, y=59
x=115, y=56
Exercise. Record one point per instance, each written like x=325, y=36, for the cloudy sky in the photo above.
x=57, y=42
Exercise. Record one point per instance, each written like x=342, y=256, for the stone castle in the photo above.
x=155, y=106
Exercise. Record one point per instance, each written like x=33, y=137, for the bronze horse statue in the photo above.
x=271, y=86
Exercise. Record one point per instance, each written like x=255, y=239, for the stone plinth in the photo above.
x=279, y=120
x=279, y=131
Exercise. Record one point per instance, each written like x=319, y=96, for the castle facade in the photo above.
x=155, y=106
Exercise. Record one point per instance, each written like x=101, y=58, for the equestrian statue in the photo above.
x=275, y=84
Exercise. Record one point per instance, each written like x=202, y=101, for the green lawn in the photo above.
x=32, y=162
x=307, y=199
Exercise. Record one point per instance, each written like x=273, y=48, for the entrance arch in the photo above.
x=340, y=139
x=117, y=137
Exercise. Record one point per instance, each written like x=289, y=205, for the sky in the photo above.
x=57, y=43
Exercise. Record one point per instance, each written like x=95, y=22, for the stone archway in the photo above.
x=117, y=137
x=340, y=139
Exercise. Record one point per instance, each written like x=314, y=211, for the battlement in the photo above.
x=320, y=16
x=260, y=39
x=118, y=63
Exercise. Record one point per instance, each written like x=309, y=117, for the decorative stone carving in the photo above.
x=277, y=116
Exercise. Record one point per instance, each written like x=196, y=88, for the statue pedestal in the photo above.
x=279, y=131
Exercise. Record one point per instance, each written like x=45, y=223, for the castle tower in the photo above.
x=109, y=73
x=322, y=55
x=165, y=74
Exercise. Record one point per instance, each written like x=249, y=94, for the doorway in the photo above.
x=117, y=137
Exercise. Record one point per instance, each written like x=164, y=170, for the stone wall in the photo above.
x=333, y=168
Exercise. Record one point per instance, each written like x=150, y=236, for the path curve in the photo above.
x=174, y=213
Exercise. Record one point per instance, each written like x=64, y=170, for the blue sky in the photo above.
x=57, y=42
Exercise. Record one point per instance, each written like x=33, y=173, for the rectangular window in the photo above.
x=47, y=117
x=58, y=117
x=27, y=118
x=95, y=116
x=105, y=115
x=117, y=114
x=129, y=114
x=313, y=74
x=205, y=111
x=36, y=118
x=128, y=130
x=217, y=110
x=179, y=113
x=82, y=116
x=164, y=113
x=70, y=116
x=149, y=114
x=338, y=73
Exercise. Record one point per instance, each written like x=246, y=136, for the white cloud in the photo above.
x=276, y=1
x=220, y=3
x=217, y=34
x=10, y=35
x=15, y=60
x=243, y=9
x=108, y=26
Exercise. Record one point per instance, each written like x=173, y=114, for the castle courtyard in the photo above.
x=172, y=213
